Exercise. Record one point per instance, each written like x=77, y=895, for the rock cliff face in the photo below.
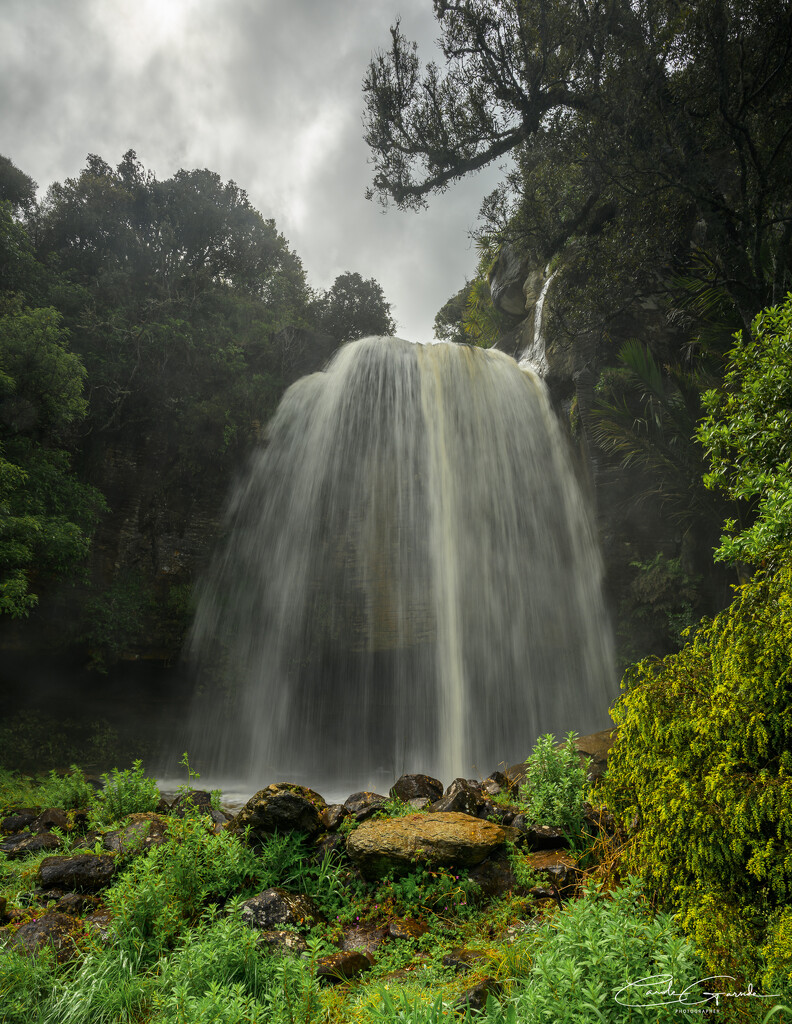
x=571, y=367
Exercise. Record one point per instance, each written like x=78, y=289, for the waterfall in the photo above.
x=409, y=579
x=534, y=356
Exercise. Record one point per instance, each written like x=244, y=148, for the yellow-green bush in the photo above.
x=701, y=776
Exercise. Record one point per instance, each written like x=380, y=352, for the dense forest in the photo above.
x=148, y=330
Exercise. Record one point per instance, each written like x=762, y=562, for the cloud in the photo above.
x=265, y=92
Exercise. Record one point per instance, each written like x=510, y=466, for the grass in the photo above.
x=178, y=952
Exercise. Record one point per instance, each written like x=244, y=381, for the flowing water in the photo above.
x=409, y=580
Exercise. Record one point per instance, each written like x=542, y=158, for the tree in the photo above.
x=637, y=128
x=747, y=436
x=47, y=515
x=16, y=187
x=353, y=308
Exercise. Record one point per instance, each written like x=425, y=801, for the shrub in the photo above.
x=68, y=791
x=125, y=792
x=701, y=775
x=554, y=786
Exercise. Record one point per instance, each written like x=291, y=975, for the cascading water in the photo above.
x=409, y=581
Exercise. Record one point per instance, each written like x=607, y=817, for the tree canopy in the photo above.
x=641, y=133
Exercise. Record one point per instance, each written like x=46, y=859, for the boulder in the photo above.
x=142, y=831
x=475, y=998
x=462, y=959
x=365, y=938
x=85, y=872
x=280, y=807
x=595, y=748
x=462, y=796
x=75, y=903
x=557, y=866
x=416, y=787
x=195, y=799
x=15, y=847
x=275, y=907
x=407, y=928
x=19, y=821
x=54, y=929
x=52, y=817
x=446, y=838
x=544, y=837
x=364, y=804
x=342, y=966
x=282, y=941
x=332, y=816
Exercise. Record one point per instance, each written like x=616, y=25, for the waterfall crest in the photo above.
x=409, y=582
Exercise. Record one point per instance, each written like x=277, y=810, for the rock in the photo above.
x=100, y=922
x=491, y=811
x=560, y=869
x=26, y=843
x=506, y=281
x=278, y=939
x=599, y=819
x=364, y=938
x=20, y=821
x=461, y=796
x=53, y=817
x=142, y=831
x=330, y=843
x=596, y=747
x=75, y=903
x=544, y=837
x=475, y=998
x=342, y=966
x=364, y=804
x=407, y=928
x=194, y=800
x=274, y=907
x=86, y=872
x=461, y=959
x=280, y=807
x=416, y=787
x=437, y=838
x=419, y=802
x=332, y=816
x=56, y=930
x=494, y=877
x=495, y=784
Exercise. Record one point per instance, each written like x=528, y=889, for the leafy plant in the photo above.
x=554, y=786
x=67, y=791
x=701, y=775
x=125, y=792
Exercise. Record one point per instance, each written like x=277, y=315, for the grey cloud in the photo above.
x=267, y=92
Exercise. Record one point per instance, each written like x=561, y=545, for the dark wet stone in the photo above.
x=75, y=903
x=59, y=931
x=407, y=928
x=476, y=997
x=413, y=787
x=494, y=877
x=545, y=837
x=86, y=872
x=52, y=817
x=363, y=938
x=342, y=966
x=364, y=804
x=100, y=922
x=280, y=808
x=195, y=800
x=462, y=959
x=25, y=843
x=490, y=811
x=332, y=816
x=140, y=833
x=274, y=907
x=281, y=941
x=461, y=796
x=19, y=821
x=495, y=784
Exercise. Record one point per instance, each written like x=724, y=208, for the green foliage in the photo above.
x=125, y=792
x=701, y=775
x=597, y=946
x=747, y=435
x=48, y=516
x=33, y=741
x=554, y=785
x=353, y=308
x=67, y=791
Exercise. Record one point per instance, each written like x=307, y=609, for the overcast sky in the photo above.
x=267, y=92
